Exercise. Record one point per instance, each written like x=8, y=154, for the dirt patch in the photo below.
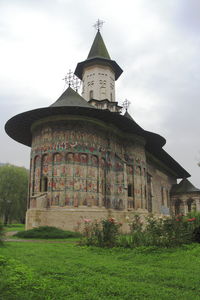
x=10, y=233
x=38, y=241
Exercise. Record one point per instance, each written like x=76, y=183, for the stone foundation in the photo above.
x=73, y=219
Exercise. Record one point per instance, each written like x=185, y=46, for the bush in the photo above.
x=196, y=235
x=47, y=232
x=162, y=232
x=102, y=234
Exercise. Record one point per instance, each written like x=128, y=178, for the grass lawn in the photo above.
x=67, y=271
x=14, y=227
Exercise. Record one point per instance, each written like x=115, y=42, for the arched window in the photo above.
x=91, y=94
x=36, y=175
x=177, y=207
x=162, y=196
x=149, y=192
x=189, y=205
x=130, y=190
x=44, y=184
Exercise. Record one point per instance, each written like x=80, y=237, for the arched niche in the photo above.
x=36, y=174
x=178, y=207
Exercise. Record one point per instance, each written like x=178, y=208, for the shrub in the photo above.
x=150, y=231
x=196, y=235
x=47, y=232
x=162, y=232
x=102, y=234
x=136, y=238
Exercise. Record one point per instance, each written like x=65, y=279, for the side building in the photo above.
x=88, y=160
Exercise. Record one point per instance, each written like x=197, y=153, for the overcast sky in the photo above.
x=156, y=43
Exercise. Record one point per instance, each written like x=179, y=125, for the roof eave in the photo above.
x=98, y=60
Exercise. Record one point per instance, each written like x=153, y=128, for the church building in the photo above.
x=89, y=160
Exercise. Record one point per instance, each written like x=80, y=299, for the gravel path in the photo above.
x=38, y=241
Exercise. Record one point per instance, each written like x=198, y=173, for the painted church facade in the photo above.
x=89, y=161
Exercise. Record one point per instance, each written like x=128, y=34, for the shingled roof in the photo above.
x=71, y=98
x=98, y=48
x=184, y=187
x=127, y=115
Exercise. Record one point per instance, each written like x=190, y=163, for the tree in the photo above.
x=13, y=193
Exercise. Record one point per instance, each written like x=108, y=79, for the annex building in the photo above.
x=89, y=160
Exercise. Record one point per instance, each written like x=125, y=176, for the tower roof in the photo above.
x=98, y=48
x=98, y=54
x=71, y=98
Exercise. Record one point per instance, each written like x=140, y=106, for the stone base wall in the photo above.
x=73, y=219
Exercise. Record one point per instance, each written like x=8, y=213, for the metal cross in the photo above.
x=76, y=83
x=72, y=80
x=126, y=104
x=98, y=25
x=69, y=78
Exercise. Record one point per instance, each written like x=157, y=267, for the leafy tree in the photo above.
x=13, y=193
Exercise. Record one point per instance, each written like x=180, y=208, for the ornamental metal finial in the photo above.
x=69, y=78
x=76, y=83
x=98, y=25
x=126, y=104
x=72, y=80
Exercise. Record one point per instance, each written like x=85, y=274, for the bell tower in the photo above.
x=98, y=74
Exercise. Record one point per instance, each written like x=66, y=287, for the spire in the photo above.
x=98, y=48
x=98, y=72
x=98, y=54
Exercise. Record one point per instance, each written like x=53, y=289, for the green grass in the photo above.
x=14, y=227
x=66, y=271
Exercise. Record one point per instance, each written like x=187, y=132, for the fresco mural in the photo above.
x=78, y=166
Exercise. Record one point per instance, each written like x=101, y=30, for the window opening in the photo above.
x=130, y=190
x=91, y=94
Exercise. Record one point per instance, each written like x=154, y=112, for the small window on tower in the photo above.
x=111, y=98
x=91, y=95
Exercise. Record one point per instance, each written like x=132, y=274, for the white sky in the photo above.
x=156, y=43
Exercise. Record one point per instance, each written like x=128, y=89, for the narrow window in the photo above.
x=130, y=194
x=189, y=205
x=177, y=207
x=162, y=195
x=91, y=94
x=44, y=184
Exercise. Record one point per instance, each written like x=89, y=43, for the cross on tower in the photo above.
x=68, y=78
x=98, y=25
x=126, y=104
x=72, y=80
x=76, y=83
